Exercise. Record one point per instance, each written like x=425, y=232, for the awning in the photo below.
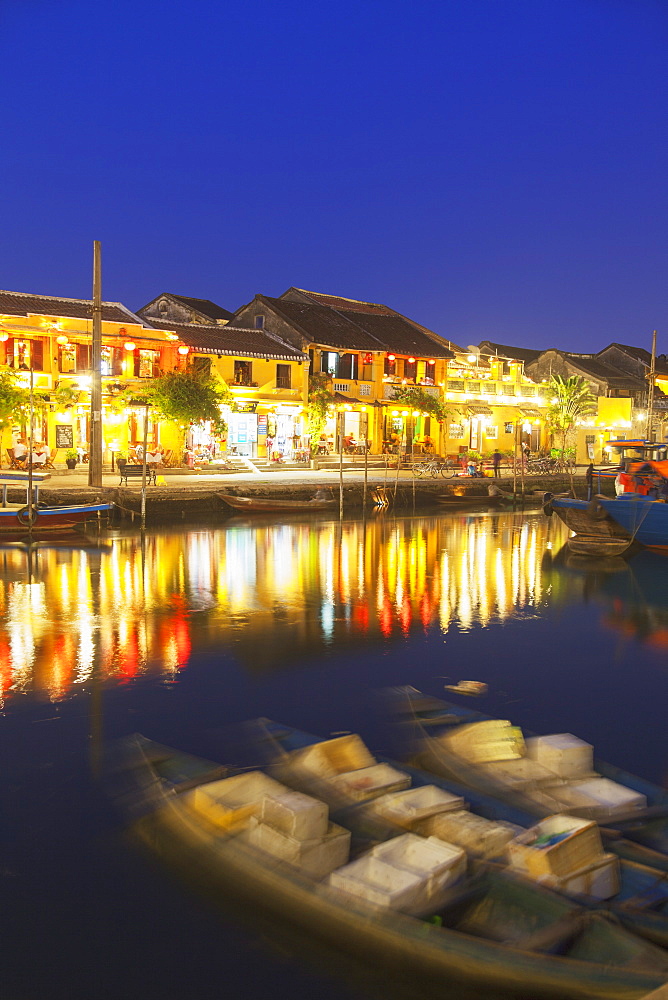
x=530, y=412
x=479, y=409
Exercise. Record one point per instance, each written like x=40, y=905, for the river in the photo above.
x=187, y=632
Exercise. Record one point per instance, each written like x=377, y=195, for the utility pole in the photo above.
x=650, y=397
x=95, y=444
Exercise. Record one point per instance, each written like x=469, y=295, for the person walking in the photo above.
x=589, y=479
x=496, y=463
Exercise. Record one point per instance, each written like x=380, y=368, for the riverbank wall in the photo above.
x=172, y=503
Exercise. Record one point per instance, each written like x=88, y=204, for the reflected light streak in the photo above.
x=124, y=613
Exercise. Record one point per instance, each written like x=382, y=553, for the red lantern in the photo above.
x=390, y=357
x=431, y=361
x=411, y=361
x=367, y=359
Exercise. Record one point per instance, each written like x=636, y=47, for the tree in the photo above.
x=416, y=398
x=320, y=398
x=184, y=397
x=14, y=402
x=572, y=399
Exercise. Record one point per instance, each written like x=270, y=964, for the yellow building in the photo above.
x=493, y=405
x=49, y=339
x=368, y=350
x=269, y=382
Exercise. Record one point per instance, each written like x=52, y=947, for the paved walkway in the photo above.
x=78, y=478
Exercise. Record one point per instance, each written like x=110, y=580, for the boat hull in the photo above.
x=643, y=519
x=268, y=505
x=576, y=515
x=50, y=518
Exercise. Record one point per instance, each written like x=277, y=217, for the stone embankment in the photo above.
x=175, y=503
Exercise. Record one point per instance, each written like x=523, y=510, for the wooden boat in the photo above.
x=486, y=931
x=31, y=515
x=591, y=545
x=266, y=504
x=640, y=902
x=640, y=834
x=577, y=515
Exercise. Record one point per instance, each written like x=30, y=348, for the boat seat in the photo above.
x=554, y=937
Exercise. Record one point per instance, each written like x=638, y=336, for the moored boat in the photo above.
x=268, y=504
x=32, y=515
x=443, y=741
x=343, y=773
x=417, y=912
x=639, y=512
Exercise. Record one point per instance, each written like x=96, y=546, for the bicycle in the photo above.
x=434, y=467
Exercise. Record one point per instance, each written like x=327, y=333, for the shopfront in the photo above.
x=242, y=434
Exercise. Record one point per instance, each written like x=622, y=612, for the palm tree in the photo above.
x=572, y=399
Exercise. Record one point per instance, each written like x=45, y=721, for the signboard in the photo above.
x=64, y=436
x=262, y=423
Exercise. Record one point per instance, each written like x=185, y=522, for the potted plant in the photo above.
x=71, y=458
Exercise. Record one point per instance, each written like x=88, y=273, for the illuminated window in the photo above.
x=67, y=358
x=146, y=363
x=329, y=363
x=25, y=354
x=111, y=361
x=491, y=432
x=348, y=366
x=283, y=377
x=243, y=372
x=410, y=370
x=455, y=431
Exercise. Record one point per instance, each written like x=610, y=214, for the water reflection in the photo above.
x=633, y=594
x=274, y=593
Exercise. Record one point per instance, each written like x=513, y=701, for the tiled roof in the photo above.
x=394, y=333
x=347, y=305
x=205, y=306
x=324, y=326
x=25, y=303
x=512, y=353
x=605, y=372
x=640, y=354
x=329, y=321
x=232, y=340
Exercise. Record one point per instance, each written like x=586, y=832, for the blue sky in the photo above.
x=495, y=169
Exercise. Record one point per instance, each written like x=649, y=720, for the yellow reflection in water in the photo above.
x=270, y=592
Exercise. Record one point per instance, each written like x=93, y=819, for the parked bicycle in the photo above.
x=435, y=467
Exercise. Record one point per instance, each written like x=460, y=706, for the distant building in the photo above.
x=170, y=308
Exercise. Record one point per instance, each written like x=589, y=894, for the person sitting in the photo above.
x=349, y=443
x=427, y=445
x=154, y=458
x=20, y=453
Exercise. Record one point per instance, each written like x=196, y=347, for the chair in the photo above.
x=50, y=460
x=167, y=457
x=15, y=463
